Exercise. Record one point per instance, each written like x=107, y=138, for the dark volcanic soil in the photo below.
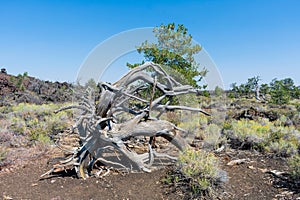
x=25, y=183
x=246, y=181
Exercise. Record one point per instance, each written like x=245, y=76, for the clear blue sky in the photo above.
x=51, y=39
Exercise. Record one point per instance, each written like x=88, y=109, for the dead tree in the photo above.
x=110, y=129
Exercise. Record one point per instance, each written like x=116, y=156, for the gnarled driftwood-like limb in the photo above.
x=108, y=139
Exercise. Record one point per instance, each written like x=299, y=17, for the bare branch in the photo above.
x=113, y=131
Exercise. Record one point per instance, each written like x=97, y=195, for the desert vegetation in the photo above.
x=234, y=124
x=28, y=126
x=157, y=115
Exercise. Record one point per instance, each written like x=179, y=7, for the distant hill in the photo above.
x=27, y=89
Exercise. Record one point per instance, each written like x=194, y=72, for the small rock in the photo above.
x=7, y=197
x=238, y=161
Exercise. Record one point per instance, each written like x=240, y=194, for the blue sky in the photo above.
x=51, y=39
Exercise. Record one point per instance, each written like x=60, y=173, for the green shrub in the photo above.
x=203, y=121
x=217, y=117
x=218, y=91
x=298, y=107
x=294, y=165
x=191, y=125
x=227, y=125
x=173, y=117
x=282, y=148
x=38, y=122
x=6, y=109
x=213, y=137
x=197, y=173
x=40, y=135
x=231, y=95
x=282, y=141
x=264, y=136
x=281, y=120
x=243, y=128
x=3, y=152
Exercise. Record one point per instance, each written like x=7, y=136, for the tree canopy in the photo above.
x=174, y=49
x=281, y=91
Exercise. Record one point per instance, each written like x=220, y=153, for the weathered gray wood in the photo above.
x=104, y=139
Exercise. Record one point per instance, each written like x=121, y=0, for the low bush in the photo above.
x=3, y=153
x=192, y=126
x=294, y=165
x=263, y=135
x=212, y=137
x=197, y=174
x=173, y=117
x=37, y=122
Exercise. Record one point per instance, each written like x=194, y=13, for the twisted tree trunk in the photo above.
x=108, y=139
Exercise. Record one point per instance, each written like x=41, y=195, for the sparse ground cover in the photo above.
x=270, y=150
x=249, y=127
x=260, y=138
x=28, y=130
